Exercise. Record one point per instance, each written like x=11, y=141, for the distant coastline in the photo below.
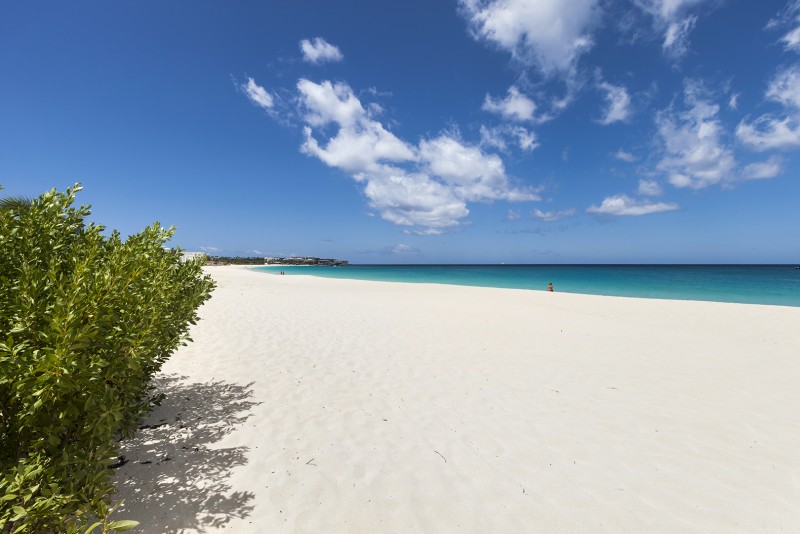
x=258, y=260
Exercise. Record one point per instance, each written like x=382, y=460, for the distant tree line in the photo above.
x=236, y=260
x=239, y=260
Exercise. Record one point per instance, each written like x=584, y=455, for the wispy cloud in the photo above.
x=776, y=131
x=500, y=137
x=733, y=101
x=319, y=50
x=622, y=155
x=788, y=17
x=627, y=206
x=650, y=188
x=672, y=18
x=763, y=169
x=551, y=216
x=400, y=250
x=618, y=103
x=257, y=94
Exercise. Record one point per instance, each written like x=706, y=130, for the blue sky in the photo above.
x=473, y=131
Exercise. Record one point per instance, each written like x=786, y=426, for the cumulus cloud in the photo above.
x=425, y=186
x=649, y=188
x=551, y=216
x=319, y=51
x=672, y=18
x=618, y=103
x=515, y=106
x=550, y=34
x=624, y=156
x=624, y=205
x=781, y=131
x=257, y=94
x=695, y=155
x=764, y=169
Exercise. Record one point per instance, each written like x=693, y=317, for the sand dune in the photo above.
x=319, y=405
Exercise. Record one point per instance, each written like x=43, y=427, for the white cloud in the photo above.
x=624, y=205
x=526, y=139
x=257, y=94
x=499, y=137
x=733, y=102
x=618, y=103
x=551, y=216
x=762, y=170
x=493, y=137
x=769, y=131
x=210, y=249
x=694, y=153
x=514, y=106
x=320, y=51
x=551, y=34
x=672, y=19
x=425, y=186
x=413, y=199
x=792, y=40
x=649, y=188
x=785, y=87
x=624, y=156
x=676, y=38
x=361, y=144
x=513, y=215
x=789, y=16
x=471, y=173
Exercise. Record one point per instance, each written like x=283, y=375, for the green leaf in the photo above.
x=120, y=526
x=92, y=527
x=20, y=511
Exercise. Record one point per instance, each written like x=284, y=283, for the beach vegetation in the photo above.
x=86, y=320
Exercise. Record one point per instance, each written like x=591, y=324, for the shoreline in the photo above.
x=561, y=292
x=308, y=404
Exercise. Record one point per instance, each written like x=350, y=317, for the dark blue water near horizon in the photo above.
x=749, y=284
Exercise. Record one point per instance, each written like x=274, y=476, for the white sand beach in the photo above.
x=319, y=405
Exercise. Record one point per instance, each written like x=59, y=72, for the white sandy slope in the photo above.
x=387, y=407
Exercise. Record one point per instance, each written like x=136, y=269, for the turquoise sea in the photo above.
x=752, y=284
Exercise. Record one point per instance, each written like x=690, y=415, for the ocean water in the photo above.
x=751, y=284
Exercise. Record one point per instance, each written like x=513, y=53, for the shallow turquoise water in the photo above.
x=752, y=284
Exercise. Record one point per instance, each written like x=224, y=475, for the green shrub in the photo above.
x=86, y=320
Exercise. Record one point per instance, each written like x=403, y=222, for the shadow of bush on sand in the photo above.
x=172, y=477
